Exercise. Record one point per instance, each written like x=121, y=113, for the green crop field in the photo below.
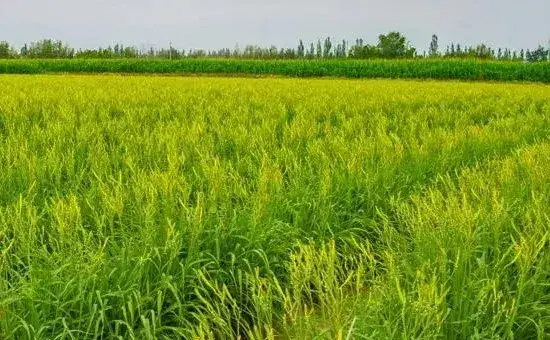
x=162, y=207
x=469, y=69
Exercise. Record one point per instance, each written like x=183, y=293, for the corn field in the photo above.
x=146, y=207
x=458, y=69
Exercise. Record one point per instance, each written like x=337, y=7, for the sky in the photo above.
x=213, y=24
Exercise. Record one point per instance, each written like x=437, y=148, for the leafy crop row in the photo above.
x=422, y=69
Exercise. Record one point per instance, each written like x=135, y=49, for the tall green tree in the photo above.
x=24, y=51
x=434, y=46
x=394, y=45
x=301, y=49
x=311, y=52
x=344, y=48
x=319, y=51
x=6, y=51
x=327, y=51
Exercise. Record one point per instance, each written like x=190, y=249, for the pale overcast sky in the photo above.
x=218, y=23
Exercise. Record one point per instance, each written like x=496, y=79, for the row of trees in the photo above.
x=389, y=46
x=484, y=52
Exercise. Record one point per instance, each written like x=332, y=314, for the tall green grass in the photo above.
x=162, y=208
x=421, y=69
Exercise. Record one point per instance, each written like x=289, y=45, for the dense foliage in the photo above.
x=167, y=207
x=424, y=69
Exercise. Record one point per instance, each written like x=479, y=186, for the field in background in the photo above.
x=419, y=69
x=154, y=207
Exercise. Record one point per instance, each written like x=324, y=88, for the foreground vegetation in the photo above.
x=151, y=207
x=422, y=69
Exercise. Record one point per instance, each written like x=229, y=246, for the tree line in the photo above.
x=392, y=45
